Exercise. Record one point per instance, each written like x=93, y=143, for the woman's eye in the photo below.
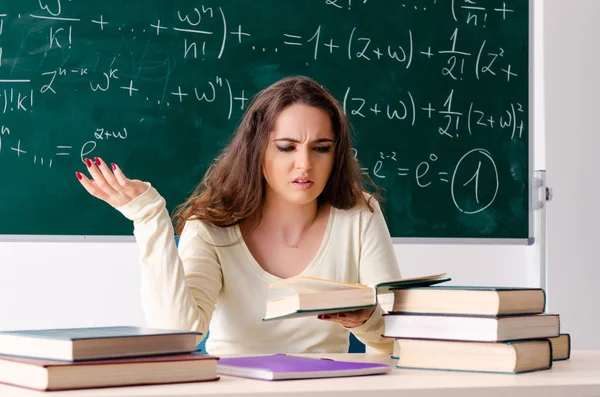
x=323, y=149
x=285, y=148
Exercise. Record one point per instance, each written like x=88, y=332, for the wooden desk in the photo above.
x=577, y=377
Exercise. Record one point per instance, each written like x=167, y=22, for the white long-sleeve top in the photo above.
x=199, y=285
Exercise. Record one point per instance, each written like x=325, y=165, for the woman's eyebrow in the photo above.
x=320, y=140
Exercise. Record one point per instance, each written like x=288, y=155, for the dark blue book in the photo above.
x=561, y=347
x=472, y=328
x=512, y=357
x=77, y=344
x=469, y=300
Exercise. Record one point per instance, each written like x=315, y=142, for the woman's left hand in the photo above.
x=351, y=319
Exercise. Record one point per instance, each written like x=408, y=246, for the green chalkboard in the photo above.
x=437, y=92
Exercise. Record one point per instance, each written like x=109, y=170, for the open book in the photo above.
x=314, y=296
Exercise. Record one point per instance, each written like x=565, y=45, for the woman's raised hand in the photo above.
x=110, y=185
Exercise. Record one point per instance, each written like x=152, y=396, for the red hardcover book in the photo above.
x=49, y=375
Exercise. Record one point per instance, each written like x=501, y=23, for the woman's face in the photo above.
x=300, y=154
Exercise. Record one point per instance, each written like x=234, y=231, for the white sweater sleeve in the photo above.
x=377, y=264
x=179, y=289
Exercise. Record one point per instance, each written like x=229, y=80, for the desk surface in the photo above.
x=579, y=376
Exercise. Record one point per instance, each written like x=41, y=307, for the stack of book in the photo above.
x=484, y=329
x=78, y=358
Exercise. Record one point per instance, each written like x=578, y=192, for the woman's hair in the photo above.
x=233, y=188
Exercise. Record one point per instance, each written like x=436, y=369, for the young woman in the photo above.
x=284, y=198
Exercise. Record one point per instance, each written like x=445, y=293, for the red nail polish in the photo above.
x=342, y=315
x=97, y=160
x=114, y=166
x=88, y=162
x=78, y=175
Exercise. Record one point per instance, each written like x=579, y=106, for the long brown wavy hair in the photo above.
x=233, y=188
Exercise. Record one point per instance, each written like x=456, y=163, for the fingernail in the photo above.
x=114, y=166
x=325, y=316
x=88, y=162
x=78, y=175
x=97, y=160
x=341, y=315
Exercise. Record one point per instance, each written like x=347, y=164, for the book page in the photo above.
x=312, y=284
x=413, y=279
x=387, y=286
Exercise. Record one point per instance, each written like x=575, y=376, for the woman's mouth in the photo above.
x=302, y=183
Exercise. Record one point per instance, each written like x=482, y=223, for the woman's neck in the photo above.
x=289, y=220
x=281, y=223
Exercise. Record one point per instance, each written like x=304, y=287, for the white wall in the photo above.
x=52, y=285
x=572, y=88
x=92, y=284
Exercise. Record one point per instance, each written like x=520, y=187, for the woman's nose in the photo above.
x=303, y=160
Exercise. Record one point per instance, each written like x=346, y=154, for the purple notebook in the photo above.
x=282, y=366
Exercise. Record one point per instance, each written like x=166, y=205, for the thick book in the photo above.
x=491, y=301
x=472, y=328
x=74, y=344
x=283, y=367
x=49, y=375
x=313, y=296
x=561, y=347
x=513, y=357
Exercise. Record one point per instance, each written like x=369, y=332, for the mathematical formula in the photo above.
x=127, y=72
